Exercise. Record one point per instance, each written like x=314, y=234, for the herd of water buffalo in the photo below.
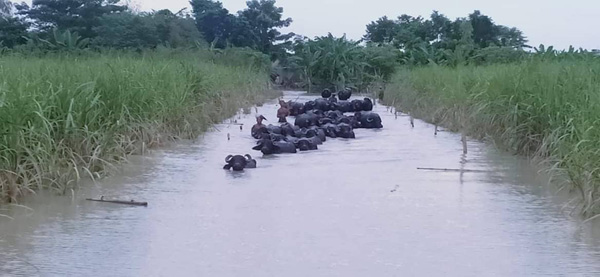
x=314, y=122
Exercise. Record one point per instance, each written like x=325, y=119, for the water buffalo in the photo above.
x=274, y=129
x=368, y=120
x=330, y=130
x=309, y=105
x=344, y=130
x=367, y=105
x=239, y=162
x=345, y=94
x=343, y=106
x=251, y=162
x=288, y=129
x=318, y=132
x=334, y=115
x=306, y=120
x=314, y=135
x=322, y=104
x=324, y=120
x=326, y=93
x=332, y=99
x=268, y=147
x=295, y=108
x=306, y=144
x=362, y=105
x=275, y=137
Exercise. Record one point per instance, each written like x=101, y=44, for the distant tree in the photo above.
x=175, y=30
x=261, y=20
x=441, y=28
x=80, y=16
x=382, y=31
x=214, y=22
x=6, y=8
x=126, y=30
x=413, y=32
x=440, y=40
x=511, y=37
x=146, y=30
x=485, y=32
x=13, y=30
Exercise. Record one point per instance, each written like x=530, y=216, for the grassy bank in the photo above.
x=545, y=109
x=63, y=118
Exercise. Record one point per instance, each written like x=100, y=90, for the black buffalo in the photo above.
x=306, y=144
x=345, y=94
x=239, y=162
x=368, y=120
x=269, y=147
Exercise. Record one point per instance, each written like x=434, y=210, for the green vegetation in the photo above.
x=85, y=83
x=336, y=63
x=442, y=41
x=65, y=117
x=255, y=27
x=546, y=106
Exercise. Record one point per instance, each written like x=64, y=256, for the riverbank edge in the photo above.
x=461, y=120
x=148, y=136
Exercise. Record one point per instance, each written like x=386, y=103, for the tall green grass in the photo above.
x=546, y=109
x=63, y=118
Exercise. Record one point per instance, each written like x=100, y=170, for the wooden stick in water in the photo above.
x=464, y=142
x=133, y=203
x=452, y=169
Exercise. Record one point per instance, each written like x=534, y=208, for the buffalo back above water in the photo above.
x=306, y=120
x=295, y=108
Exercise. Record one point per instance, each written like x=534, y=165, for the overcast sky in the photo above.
x=551, y=22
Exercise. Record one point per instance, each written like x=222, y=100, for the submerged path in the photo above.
x=353, y=208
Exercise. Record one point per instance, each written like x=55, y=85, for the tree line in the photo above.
x=310, y=63
x=107, y=23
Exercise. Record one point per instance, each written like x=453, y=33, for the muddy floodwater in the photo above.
x=353, y=208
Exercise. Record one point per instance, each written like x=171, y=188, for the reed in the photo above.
x=65, y=117
x=548, y=109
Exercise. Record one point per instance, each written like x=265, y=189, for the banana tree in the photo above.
x=66, y=40
x=306, y=59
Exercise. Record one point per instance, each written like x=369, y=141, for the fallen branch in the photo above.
x=133, y=203
x=452, y=169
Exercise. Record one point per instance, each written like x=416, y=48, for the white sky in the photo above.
x=551, y=22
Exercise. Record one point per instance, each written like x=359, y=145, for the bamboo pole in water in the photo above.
x=464, y=142
x=452, y=169
x=133, y=203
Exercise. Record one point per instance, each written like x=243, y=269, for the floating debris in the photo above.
x=131, y=202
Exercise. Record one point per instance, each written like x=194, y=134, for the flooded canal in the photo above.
x=353, y=208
